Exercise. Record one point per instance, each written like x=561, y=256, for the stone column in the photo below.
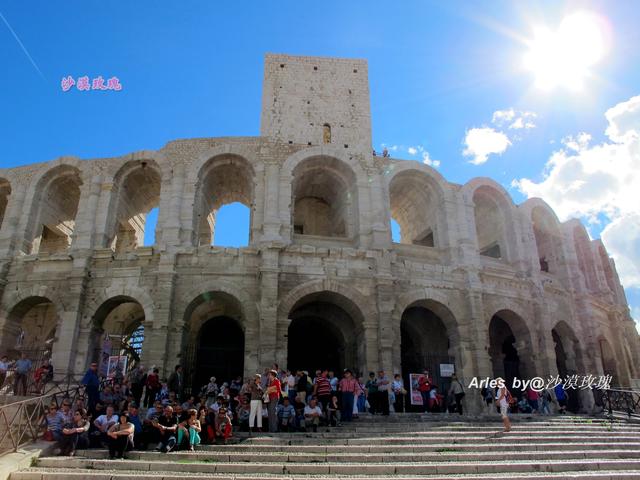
x=155, y=345
x=169, y=219
x=83, y=236
x=268, y=342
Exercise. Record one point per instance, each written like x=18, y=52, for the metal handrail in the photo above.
x=20, y=421
x=621, y=401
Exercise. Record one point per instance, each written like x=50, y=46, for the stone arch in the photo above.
x=582, y=245
x=607, y=269
x=334, y=165
x=426, y=334
x=511, y=345
x=223, y=179
x=324, y=198
x=547, y=236
x=136, y=191
x=493, y=209
x=5, y=193
x=30, y=323
x=220, y=305
x=608, y=360
x=340, y=310
x=55, y=202
x=137, y=294
x=117, y=318
x=416, y=201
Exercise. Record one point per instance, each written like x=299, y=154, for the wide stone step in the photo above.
x=70, y=474
x=443, y=455
x=362, y=469
x=503, y=445
x=425, y=440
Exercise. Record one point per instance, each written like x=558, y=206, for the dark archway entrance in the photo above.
x=325, y=332
x=563, y=364
x=510, y=348
x=314, y=345
x=424, y=344
x=220, y=352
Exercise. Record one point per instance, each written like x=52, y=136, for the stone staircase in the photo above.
x=406, y=446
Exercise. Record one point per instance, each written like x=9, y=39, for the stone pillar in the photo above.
x=10, y=231
x=169, y=220
x=268, y=342
x=66, y=347
x=83, y=236
x=272, y=224
x=155, y=345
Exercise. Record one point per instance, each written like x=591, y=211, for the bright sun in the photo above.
x=563, y=58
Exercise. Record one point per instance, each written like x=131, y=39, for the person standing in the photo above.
x=424, y=387
x=372, y=393
x=322, y=389
x=175, y=382
x=153, y=387
x=91, y=381
x=383, y=393
x=255, y=404
x=23, y=366
x=503, y=398
x=349, y=388
x=457, y=391
x=137, y=380
x=274, y=389
x=4, y=368
x=397, y=386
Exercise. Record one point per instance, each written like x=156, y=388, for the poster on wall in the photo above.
x=105, y=354
x=414, y=380
x=117, y=366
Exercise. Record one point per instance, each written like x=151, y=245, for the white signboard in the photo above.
x=447, y=369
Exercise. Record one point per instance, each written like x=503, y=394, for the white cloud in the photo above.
x=622, y=239
x=514, y=119
x=412, y=150
x=635, y=314
x=427, y=160
x=593, y=181
x=482, y=142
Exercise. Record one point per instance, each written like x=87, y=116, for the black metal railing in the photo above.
x=621, y=401
x=21, y=422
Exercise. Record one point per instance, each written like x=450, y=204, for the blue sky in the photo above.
x=437, y=70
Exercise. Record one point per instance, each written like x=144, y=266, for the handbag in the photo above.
x=265, y=397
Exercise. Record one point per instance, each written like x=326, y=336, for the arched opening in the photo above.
x=213, y=340
x=585, y=258
x=324, y=198
x=609, y=362
x=224, y=181
x=510, y=347
x=489, y=219
x=425, y=341
x=548, y=240
x=326, y=133
x=55, y=206
x=326, y=331
x=220, y=352
x=233, y=224
x=136, y=193
x=609, y=273
x=117, y=328
x=30, y=327
x=5, y=192
x=568, y=358
x=414, y=206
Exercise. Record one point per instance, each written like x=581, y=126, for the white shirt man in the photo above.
x=104, y=422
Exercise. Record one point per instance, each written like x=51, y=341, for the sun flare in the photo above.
x=565, y=57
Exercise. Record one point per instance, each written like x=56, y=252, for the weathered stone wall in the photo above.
x=174, y=286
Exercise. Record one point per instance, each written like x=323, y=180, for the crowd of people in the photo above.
x=142, y=410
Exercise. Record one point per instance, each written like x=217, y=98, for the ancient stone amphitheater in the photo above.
x=476, y=281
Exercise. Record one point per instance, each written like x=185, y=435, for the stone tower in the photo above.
x=314, y=101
